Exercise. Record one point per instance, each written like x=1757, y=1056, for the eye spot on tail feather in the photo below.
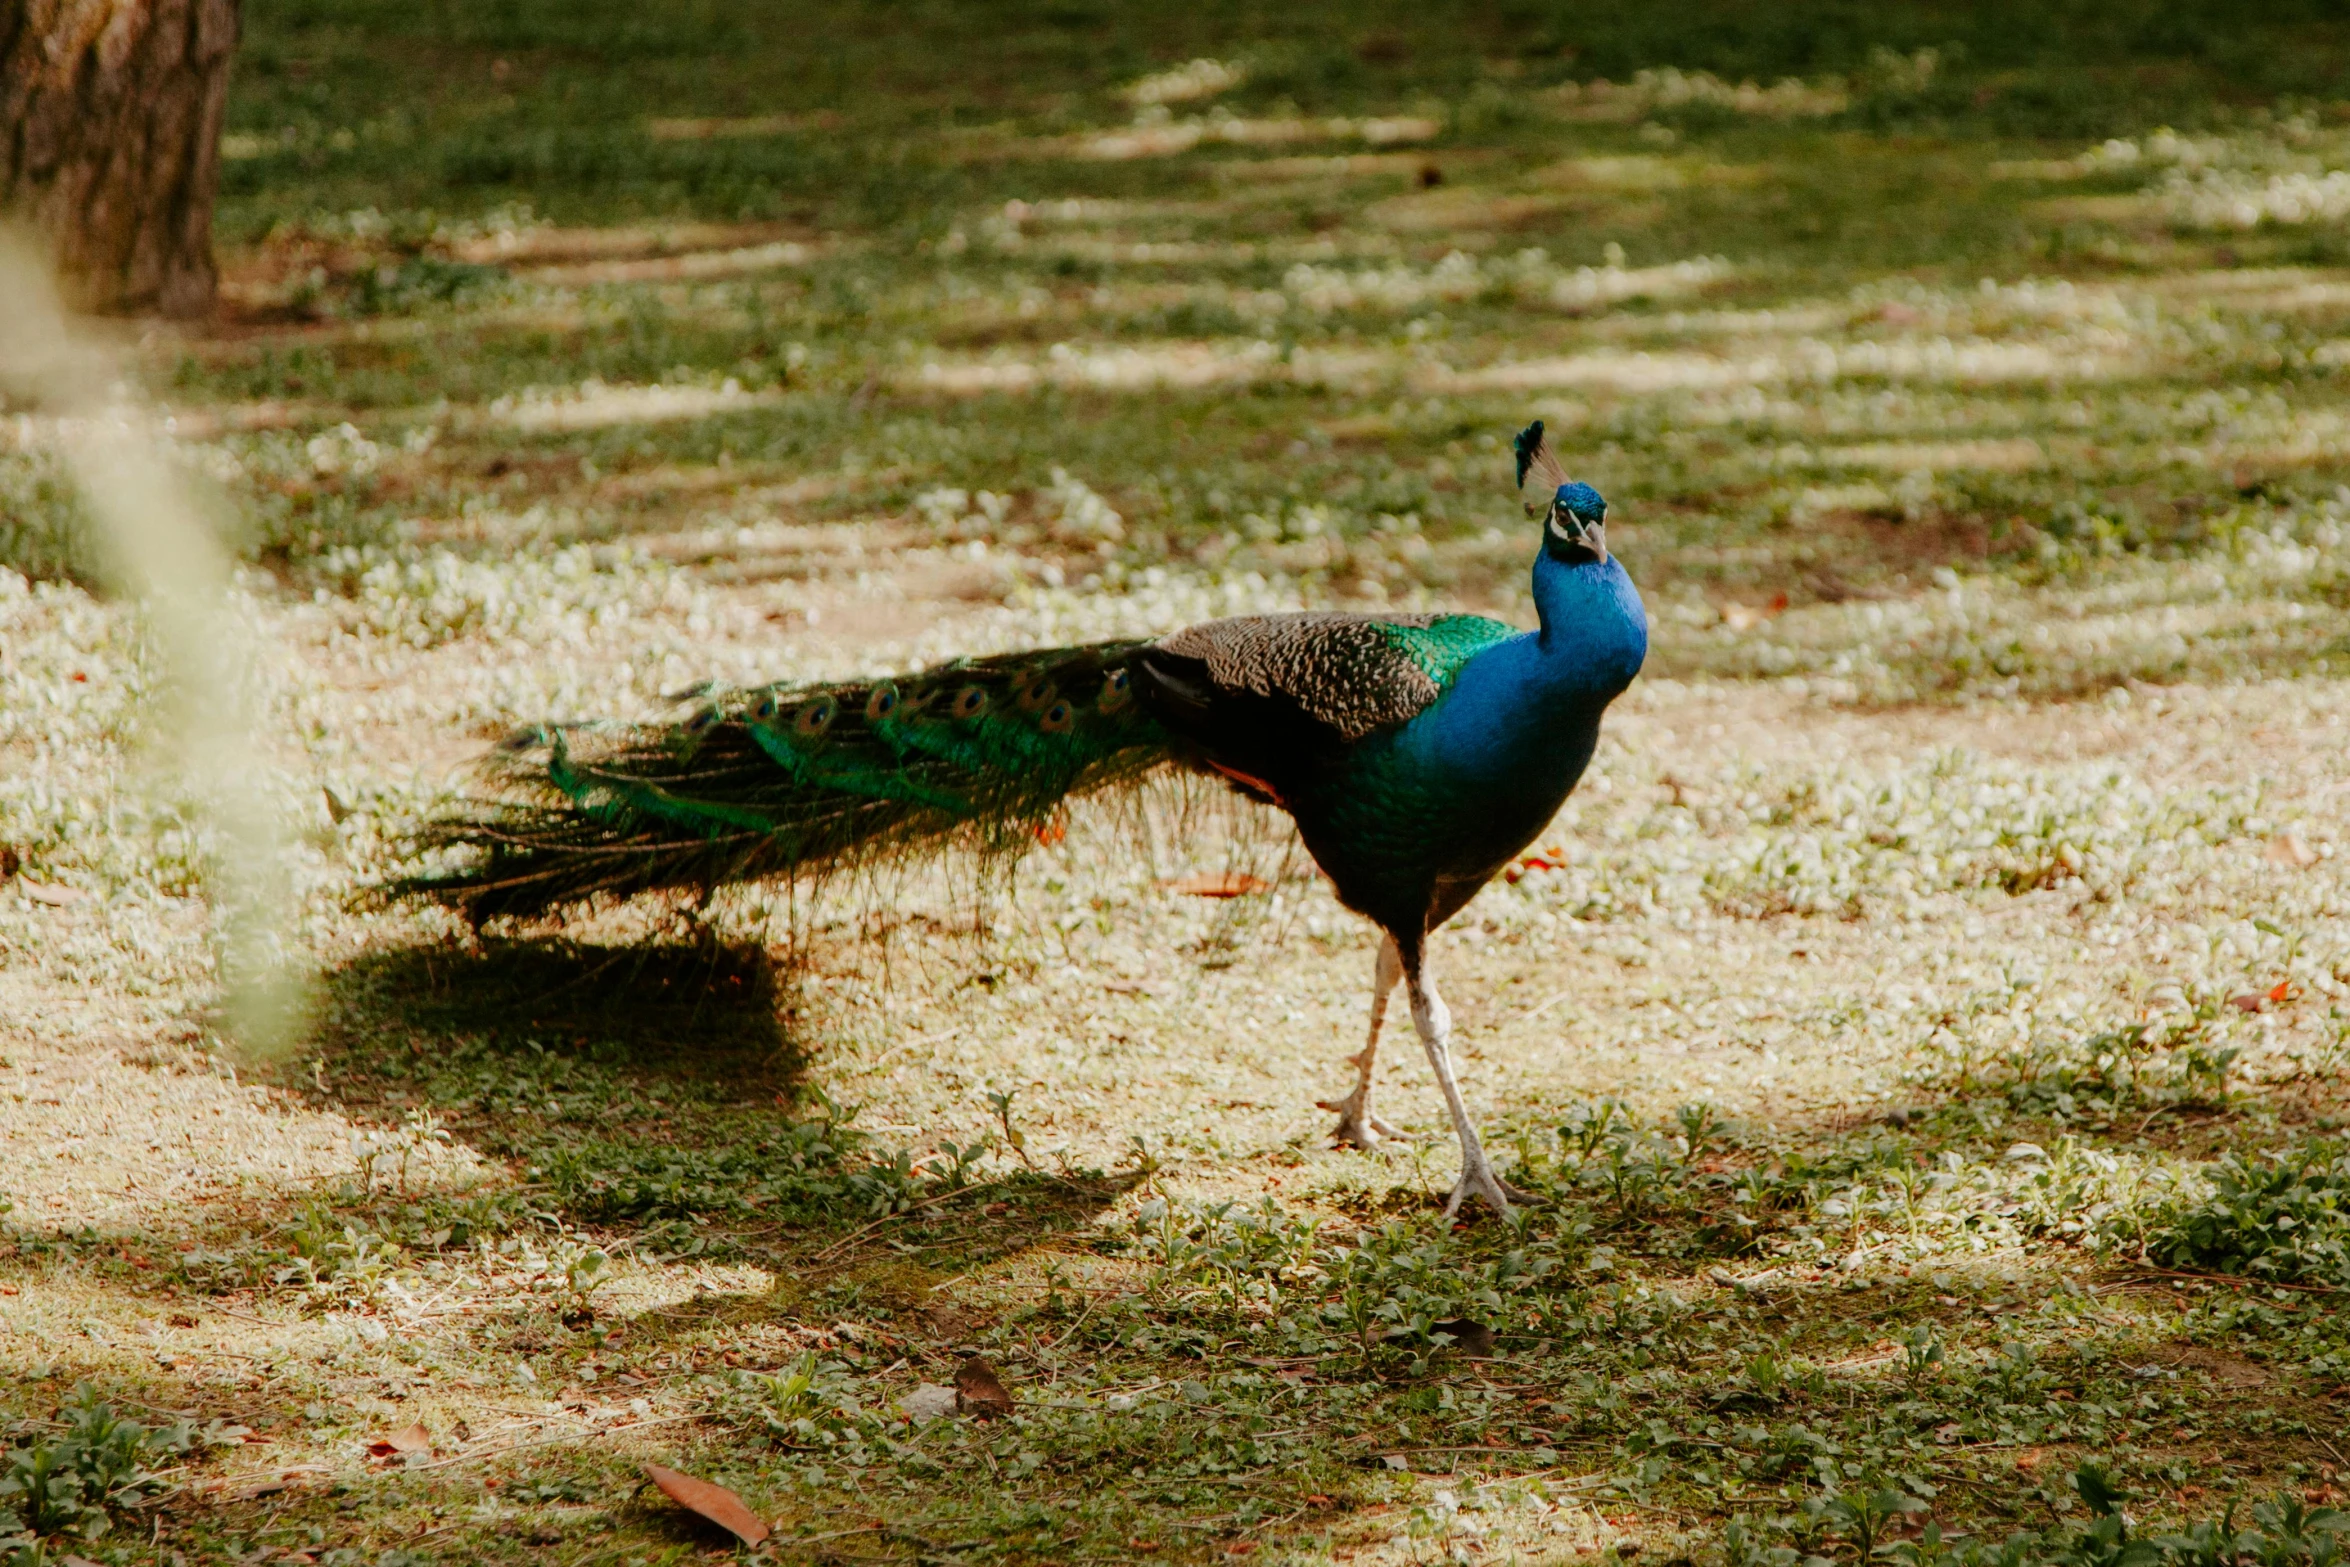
x=969, y=702
x=817, y=716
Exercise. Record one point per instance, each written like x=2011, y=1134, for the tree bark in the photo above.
x=110, y=116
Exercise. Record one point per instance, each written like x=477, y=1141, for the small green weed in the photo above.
x=2283, y=1532
x=2279, y=1215
x=811, y=1403
x=75, y=1474
x=2090, y=1080
x=799, y=1169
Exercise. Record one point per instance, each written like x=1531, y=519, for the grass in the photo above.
x=1928, y=1023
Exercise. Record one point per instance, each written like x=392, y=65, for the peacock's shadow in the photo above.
x=695, y=1009
x=657, y=1077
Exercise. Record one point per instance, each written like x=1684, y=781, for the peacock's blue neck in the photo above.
x=1528, y=708
x=1594, y=633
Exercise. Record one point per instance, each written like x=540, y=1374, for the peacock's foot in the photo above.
x=1357, y=1127
x=1498, y=1193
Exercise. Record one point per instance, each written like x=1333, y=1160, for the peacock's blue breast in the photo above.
x=1452, y=794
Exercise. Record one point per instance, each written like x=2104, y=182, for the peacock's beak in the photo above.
x=1574, y=540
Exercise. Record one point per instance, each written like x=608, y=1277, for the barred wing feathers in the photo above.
x=1274, y=700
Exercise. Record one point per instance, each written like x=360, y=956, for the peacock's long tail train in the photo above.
x=797, y=780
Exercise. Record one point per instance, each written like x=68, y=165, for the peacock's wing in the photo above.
x=791, y=780
x=1270, y=699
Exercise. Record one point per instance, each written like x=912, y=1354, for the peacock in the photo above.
x=1417, y=753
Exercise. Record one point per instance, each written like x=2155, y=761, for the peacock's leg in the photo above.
x=1434, y=1021
x=1356, y=1123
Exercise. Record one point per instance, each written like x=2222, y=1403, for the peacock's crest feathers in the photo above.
x=1535, y=456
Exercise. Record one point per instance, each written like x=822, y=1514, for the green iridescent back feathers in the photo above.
x=801, y=781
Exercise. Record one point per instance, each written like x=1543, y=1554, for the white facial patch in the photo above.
x=1588, y=539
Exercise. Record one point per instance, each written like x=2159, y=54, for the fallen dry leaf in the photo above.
x=714, y=1502
x=263, y=1482
x=2260, y=1001
x=979, y=1391
x=408, y=1439
x=2288, y=849
x=1545, y=860
x=55, y=896
x=1220, y=884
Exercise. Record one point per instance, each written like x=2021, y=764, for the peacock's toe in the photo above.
x=1358, y=1128
x=1499, y=1194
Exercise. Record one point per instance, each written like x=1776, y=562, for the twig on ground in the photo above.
x=548, y=1441
x=2238, y=1279
x=827, y=1254
x=1074, y=1326
x=244, y=1316
x=1489, y=1452
x=157, y=1409
x=834, y=1534
x=907, y=1044
x=1541, y=1007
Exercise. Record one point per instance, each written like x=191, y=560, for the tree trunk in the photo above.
x=110, y=117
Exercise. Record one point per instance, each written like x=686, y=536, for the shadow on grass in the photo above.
x=654, y=1092
x=708, y=1007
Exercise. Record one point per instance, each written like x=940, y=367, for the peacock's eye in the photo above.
x=1116, y=688
x=701, y=720
x=882, y=703
x=1056, y=718
x=816, y=717
x=766, y=708
x=1036, y=695
x=969, y=702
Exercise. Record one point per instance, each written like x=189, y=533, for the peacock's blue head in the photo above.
x=1574, y=523
x=1575, y=532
